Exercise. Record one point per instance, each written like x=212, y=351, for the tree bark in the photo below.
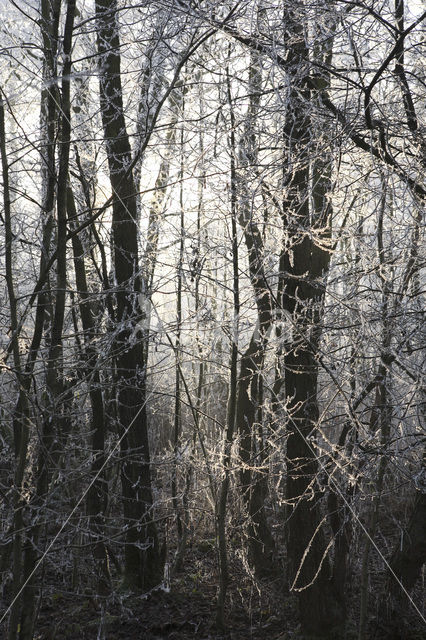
x=53, y=419
x=261, y=544
x=232, y=393
x=306, y=262
x=97, y=496
x=142, y=560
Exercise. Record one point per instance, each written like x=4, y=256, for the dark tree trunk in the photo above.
x=249, y=398
x=306, y=260
x=53, y=418
x=309, y=569
x=142, y=560
x=97, y=496
x=405, y=568
x=232, y=392
x=410, y=556
x=261, y=545
x=177, y=418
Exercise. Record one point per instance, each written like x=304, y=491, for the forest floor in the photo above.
x=254, y=611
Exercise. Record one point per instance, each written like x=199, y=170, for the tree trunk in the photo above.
x=306, y=261
x=232, y=394
x=380, y=421
x=177, y=418
x=410, y=555
x=97, y=496
x=405, y=567
x=142, y=560
x=53, y=419
x=261, y=545
x=309, y=569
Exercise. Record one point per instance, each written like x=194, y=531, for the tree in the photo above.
x=143, y=564
x=212, y=223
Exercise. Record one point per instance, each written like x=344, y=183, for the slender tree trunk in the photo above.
x=156, y=211
x=260, y=541
x=380, y=421
x=406, y=565
x=199, y=371
x=261, y=544
x=177, y=421
x=232, y=394
x=98, y=493
x=21, y=415
x=410, y=555
x=142, y=559
x=340, y=514
x=54, y=376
